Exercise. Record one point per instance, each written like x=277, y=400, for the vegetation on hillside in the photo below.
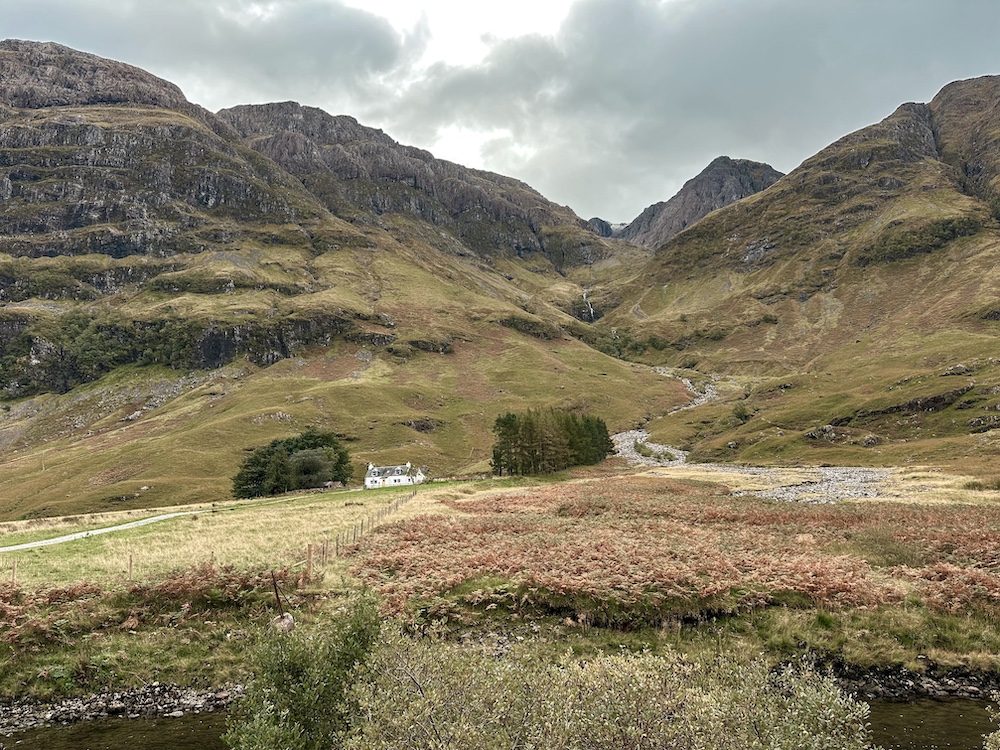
x=311, y=459
x=628, y=553
x=545, y=441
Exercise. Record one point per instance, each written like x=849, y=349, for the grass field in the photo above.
x=592, y=560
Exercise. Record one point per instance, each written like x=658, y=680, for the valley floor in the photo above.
x=875, y=572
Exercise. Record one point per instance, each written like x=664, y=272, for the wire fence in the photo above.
x=316, y=554
x=319, y=553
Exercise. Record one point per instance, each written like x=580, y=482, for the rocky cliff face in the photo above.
x=372, y=173
x=721, y=183
x=967, y=135
x=100, y=157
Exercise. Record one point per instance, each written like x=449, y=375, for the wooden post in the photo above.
x=336, y=546
x=130, y=566
x=13, y=573
x=309, y=562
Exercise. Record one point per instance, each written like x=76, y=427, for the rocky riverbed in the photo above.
x=154, y=700
x=821, y=484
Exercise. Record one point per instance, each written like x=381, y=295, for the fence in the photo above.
x=315, y=553
x=320, y=552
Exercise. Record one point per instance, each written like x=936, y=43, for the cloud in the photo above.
x=633, y=97
x=230, y=51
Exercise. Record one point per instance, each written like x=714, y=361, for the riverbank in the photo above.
x=900, y=684
x=157, y=700
x=149, y=701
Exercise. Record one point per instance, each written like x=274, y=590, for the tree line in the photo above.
x=310, y=459
x=544, y=441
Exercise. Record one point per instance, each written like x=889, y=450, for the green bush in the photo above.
x=301, y=696
x=427, y=694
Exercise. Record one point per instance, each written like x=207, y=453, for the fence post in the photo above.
x=309, y=562
x=130, y=566
x=13, y=573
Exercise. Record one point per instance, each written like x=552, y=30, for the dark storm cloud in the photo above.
x=633, y=97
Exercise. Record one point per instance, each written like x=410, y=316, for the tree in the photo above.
x=310, y=459
x=539, y=442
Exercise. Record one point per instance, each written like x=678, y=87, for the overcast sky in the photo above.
x=604, y=105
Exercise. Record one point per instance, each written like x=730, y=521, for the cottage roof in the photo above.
x=391, y=471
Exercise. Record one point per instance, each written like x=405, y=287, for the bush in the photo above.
x=300, y=696
x=742, y=412
x=429, y=694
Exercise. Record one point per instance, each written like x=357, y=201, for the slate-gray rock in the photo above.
x=722, y=182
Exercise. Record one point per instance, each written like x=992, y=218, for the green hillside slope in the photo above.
x=844, y=292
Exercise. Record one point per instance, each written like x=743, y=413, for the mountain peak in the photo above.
x=723, y=181
x=34, y=75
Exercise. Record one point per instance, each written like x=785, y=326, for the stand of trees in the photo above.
x=310, y=459
x=544, y=441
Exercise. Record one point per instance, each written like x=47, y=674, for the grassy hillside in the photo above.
x=407, y=351
x=858, y=292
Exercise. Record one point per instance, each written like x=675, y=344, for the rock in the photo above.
x=958, y=369
x=722, y=182
x=489, y=212
x=283, y=623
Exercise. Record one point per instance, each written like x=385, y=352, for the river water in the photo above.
x=930, y=724
x=919, y=725
x=190, y=732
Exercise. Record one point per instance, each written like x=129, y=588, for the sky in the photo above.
x=606, y=106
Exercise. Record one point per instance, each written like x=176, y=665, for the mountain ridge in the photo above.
x=178, y=286
x=722, y=182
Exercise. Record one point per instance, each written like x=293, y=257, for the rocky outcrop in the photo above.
x=37, y=75
x=721, y=183
x=99, y=157
x=57, y=354
x=374, y=174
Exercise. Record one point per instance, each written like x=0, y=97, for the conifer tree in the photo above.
x=539, y=442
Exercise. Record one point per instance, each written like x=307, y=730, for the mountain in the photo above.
x=358, y=171
x=722, y=182
x=846, y=290
x=178, y=287
x=173, y=295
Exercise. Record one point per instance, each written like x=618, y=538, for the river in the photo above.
x=918, y=725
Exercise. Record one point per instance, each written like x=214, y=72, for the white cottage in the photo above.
x=392, y=476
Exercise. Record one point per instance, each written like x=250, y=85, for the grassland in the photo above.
x=592, y=561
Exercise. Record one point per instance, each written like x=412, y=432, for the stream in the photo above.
x=918, y=725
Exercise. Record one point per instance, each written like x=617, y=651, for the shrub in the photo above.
x=300, y=696
x=742, y=412
x=428, y=694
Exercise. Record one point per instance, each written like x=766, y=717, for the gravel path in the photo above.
x=94, y=532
